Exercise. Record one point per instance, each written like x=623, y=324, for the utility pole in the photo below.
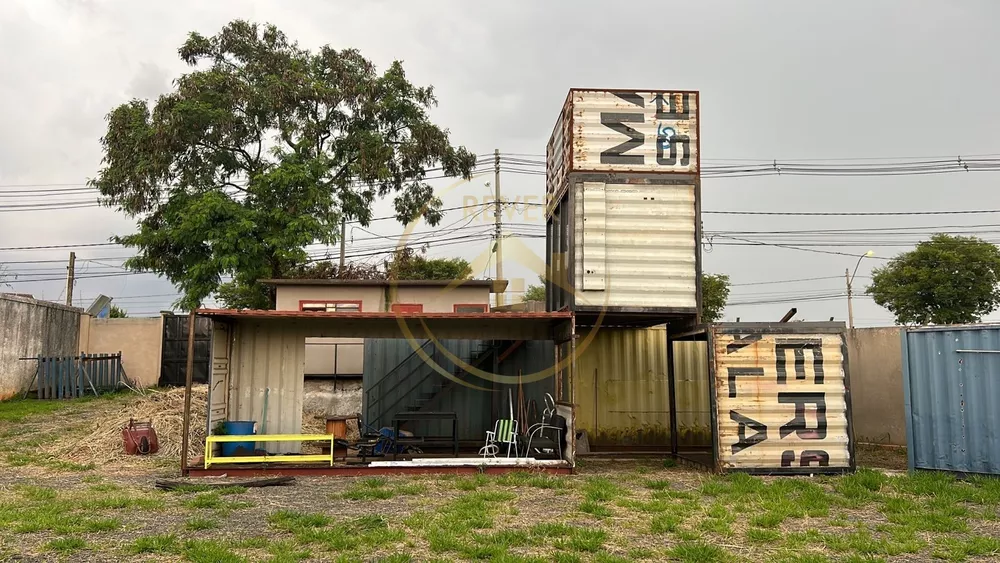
x=343, y=233
x=850, y=306
x=499, y=234
x=850, y=279
x=70, y=277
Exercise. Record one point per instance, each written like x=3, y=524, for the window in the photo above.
x=330, y=306
x=470, y=308
x=407, y=308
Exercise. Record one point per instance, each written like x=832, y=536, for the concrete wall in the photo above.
x=30, y=328
x=324, y=397
x=440, y=300
x=139, y=340
x=288, y=296
x=876, y=371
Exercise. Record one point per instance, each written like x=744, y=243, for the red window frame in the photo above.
x=407, y=308
x=483, y=308
x=327, y=303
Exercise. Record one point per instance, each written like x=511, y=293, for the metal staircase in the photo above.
x=413, y=385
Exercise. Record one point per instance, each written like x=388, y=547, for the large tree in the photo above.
x=261, y=150
x=714, y=296
x=946, y=280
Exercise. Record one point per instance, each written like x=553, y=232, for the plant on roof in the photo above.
x=261, y=149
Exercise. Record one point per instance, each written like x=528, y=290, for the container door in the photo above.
x=781, y=399
x=952, y=393
x=219, y=384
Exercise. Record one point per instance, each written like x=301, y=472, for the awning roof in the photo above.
x=556, y=326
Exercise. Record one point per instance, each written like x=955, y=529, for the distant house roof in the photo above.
x=496, y=286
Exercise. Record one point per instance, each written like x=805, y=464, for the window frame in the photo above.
x=483, y=308
x=395, y=308
x=326, y=303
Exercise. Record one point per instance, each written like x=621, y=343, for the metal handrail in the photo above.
x=399, y=367
x=438, y=357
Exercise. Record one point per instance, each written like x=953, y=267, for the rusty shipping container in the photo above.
x=780, y=397
x=623, y=220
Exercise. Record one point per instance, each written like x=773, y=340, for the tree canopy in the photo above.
x=117, y=312
x=714, y=296
x=945, y=280
x=261, y=150
x=535, y=292
x=408, y=264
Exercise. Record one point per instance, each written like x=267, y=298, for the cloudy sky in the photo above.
x=778, y=81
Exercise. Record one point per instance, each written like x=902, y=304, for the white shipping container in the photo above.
x=624, y=131
x=635, y=246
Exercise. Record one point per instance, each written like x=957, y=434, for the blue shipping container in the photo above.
x=951, y=389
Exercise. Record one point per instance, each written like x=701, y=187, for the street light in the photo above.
x=850, y=279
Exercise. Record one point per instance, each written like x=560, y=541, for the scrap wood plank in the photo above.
x=168, y=485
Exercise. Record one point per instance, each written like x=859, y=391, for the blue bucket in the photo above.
x=238, y=428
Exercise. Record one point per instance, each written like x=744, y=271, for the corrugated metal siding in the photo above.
x=268, y=355
x=635, y=131
x=472, y=406
x=647, y=246
x=620, y=388
x=781, y=400
x=557, y=152
x=952, y=395
x=691, y=380
x=532, y=357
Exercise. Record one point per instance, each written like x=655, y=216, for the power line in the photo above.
x=60, y=246
x=788, y=281
x=852, y=213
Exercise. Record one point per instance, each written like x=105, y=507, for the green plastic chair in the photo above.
x=504, y=432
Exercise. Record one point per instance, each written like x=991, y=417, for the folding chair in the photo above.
x=538, y=429
x=504, y=432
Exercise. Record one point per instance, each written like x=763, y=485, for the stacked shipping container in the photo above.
x=624, y=207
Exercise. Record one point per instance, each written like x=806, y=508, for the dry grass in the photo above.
x=101, y=444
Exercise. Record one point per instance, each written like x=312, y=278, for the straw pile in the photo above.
x=99, y=440
x=102, y=442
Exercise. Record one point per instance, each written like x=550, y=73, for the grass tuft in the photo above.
x=292, y=521
x=66, y=545
x=698, y=552
x=162, y=544
x=210, y=551
x=199, y=524
x=595, y=509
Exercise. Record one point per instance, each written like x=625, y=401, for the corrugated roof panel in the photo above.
x=782, y=401
x=953, y=398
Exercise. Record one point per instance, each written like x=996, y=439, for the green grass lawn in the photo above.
x=621, y=511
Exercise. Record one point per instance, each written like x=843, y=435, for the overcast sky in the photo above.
x=778, y=80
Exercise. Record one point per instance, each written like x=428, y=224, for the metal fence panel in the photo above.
x=68, y=377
